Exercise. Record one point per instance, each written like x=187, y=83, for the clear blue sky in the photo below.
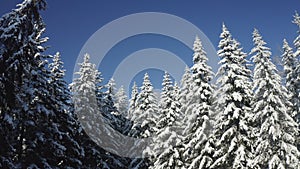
x=71, y=23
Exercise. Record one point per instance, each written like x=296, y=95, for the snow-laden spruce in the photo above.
x=67, y=119
x=232, y=129
x=111, y=87
x=169, y=105
x=289, y=66
x=197, y=115
x=132, y=101
x=84, y=95
x=86, y=105
x=146, y=114
x=121, y=102
x=184, y=92
x=276, y=129
x=165, y=149
x=144, y=118
x=108, y=101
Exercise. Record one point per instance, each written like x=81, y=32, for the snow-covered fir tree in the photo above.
x=199, y=110
x=66, y=118
x=85, y=106
x=85, y=95
x=146, y=114
x=132, y=101
x=276, y=129
x=104, y=96
x=169, y=106
x=121, y=102
x=289, y=66
x=166, y=145
x=184, y=92
x=232, y=129
x=112, y=89
x=144, y=118
x=108, y=102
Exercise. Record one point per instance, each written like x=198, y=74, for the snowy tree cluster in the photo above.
x=248, y=119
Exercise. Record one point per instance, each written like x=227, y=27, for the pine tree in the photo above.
x=146, y=114
x=112, y=89
x=105, y=101
x=232, y=130
x=144, y=119
x=132, y=101
x=169, y=106
x=165, y=149
x=85, y=105
x=275, y=143
x=108, y=102
x=289, y=65
x=86, y=101
x=84, y=96
x=198, y=110
x=122, y=102
x=70, y=129
x=184, y=92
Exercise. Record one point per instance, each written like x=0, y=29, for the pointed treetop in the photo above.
x=111, y=87
x=225, y=38
x=199, y=53
x=285, y=43
x=296, y=19
x=57, y=65
x=259, y=43
x=225, y=32
x=86, y=58
x=257, y=38
x=224, y=26
x=57, y=55
x=146, y=76
x=146, y=79
x=134, y=92
x=167, y=76
x=167, y=83
x=286, y=47
x=147, y=85
x=289, y=61
x=56, y=58
x=134, y=89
